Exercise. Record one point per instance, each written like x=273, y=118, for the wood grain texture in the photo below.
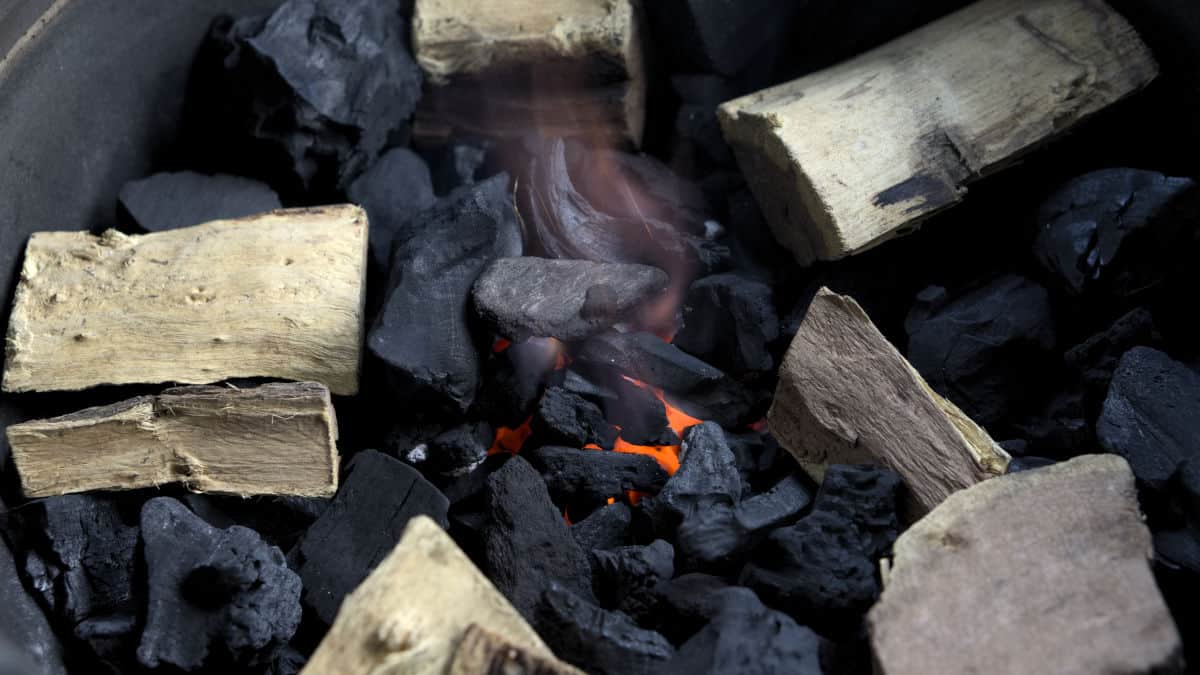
x=275, y=439
x=504, y=67
x=274, y=295
x=483, y=652
x=851, y=156
x=1043, y=571
x=847, y=396
x=413, y=611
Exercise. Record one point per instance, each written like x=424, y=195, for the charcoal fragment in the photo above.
x=458, y=165
x=565, y=299
x=707, y=476
x=775, y=507
x=1115, y=230
x=866, y=496
x=527, y=544
x=605, y=528
x=214, y=596
x=578, y=383
x=26, y=639
x=603, y=642
x=625, y=577
x=432, y=350
x=567, y=419
x=1152, y=414
x=166, y=201
x=395, y=189
x=1095, y=359
x=595, y=475
x=460, y=450
x=688, y=602
x=640, y=414
x=377, y=497
x=646, y=357
x=729, y=321
x=981, y=350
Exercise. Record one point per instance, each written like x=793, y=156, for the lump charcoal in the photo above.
x=166, y=201
x=867, y=496
x=603, y=642
x=566, y=299
x=1114, y=228
x=981, y=350
x=460, y=450
x=731, y=403
x=595, y=475
x=280, y=521
x=423, y=331
x=1096, y=358
x=26, y=639
x=514, y=379
x=563, y=418
x=707, y=476
x=214, y=596
x=527, y=544
x=760, y=460
x=729, y=321
x=1152, y=414
x=578, y=383
x=747, y=638
x=605, y=528
x=775, y=507
x=625, y=577
x=688, y=602
x=377, y=497
x=641, y=416
x=395, y=189
x=646, y=357
x=458, y=164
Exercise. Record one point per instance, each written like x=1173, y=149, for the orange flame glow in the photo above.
x=510, y=440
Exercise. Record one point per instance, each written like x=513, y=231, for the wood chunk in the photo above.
x=413, y=612
x=276, y=439
x=482, y=652
x=1043, y=571
x=848, y=157
x=847, y=396
x=507, y=67
x=274, y=295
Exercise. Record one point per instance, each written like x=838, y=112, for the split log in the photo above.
x=482, y=652
x=1043, y=571
x=413, y=614
x=847, y=396
x=563, y=68
x=274, y=295
x=846, y=158
x=276, y=439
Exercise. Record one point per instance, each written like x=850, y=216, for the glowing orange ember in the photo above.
x=500, y=345
x=510, y=440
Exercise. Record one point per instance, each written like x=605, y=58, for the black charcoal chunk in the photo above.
x=395, y=189
x=287, y=662
x=565, y=299
x=602, y=642
x=625, y=577
x=458, y=451
x=1115, y=228
x=578, y=383
x=868, y=497
x=707, y=476
x=728, y=402
x=166, y=201
x=595, y=475
x=729, y=321
x=639, y=413
x=775, y=507
x=527, y=543
x=377, y=497
x=747, y=638
x=605, y=528
x=458, y=164
x=646, y=357
x=688, y=602
x=214, y=596
x=981, y=350
x=423, y=332
x=1096, y=358
x=1152, y=414
x=280, y=521
x=563, y=418
x=1060, y=427
x=514, y=379
x=26, y=639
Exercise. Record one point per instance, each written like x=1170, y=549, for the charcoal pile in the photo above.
x=617, y=369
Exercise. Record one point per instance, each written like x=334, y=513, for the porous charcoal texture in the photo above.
x=625, y=577
x=393, y=190
x=729, y=321
x=1114, y=229
x=460, y=450
x=983, y=349
x=26, y=639
x=528, y=545
x=423, y=332
x=595, y=475
x=867, y=497
x=602, y=642
x=646, y=357
x=214, y=596
x=1152, y=414
x=165, y=201
x=605, y=528
x=707, y=477
x=377, y=497
x=563, y=418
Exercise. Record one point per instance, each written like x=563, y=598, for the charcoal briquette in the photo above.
x=26, y=638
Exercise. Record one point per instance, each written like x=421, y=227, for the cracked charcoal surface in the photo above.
x=729, y=321
x=595, y=475
x=377, y=497
x=866, y=496
x=214, y=596
x=567, y=419
x=646, y=357
x=707, y=476
x=166, y=201
x=605, y=528
x=625, y=577
x=603, y=642
x=565, y=299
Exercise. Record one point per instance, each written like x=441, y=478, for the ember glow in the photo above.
x=510, y=440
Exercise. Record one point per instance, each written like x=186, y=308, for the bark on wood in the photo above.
x=846, y=158
x=274, y=295
x=412, y=613
x=847, y=396
x=506, y=67
x=276, y=439
x=482, y=652
x=1043, y=571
